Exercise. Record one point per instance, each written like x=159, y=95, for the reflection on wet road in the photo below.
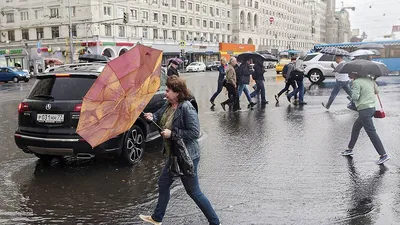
x=272, y=165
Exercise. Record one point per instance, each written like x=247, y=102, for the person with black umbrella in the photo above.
x=258, y=76
x=243, y=79
x=364, y=89
x=173, y=68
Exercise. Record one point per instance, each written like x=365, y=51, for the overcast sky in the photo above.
x=375, y=17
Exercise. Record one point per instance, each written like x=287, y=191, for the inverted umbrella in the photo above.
x=371, y=46
x=119, y=95
x=334, y=51
x=361, y=52
x=362, y=67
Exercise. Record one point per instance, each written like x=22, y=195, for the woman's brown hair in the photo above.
x=178, y=85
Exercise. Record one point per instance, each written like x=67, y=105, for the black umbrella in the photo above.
x=270, y=58
x=250, y=55
x=371, y=46
x=362, y=67
x=334, y=51
x=94, y=58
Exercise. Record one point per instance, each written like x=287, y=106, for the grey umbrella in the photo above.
x=362, y=68
x=361, y=52
x=335, y=51
x=371, y=46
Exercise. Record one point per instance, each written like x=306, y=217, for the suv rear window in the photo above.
x=61, y=88
x=308, y=57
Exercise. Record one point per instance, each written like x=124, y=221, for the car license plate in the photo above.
x=50, y=118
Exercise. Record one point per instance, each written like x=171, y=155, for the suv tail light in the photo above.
x=78, y=107
x=22, y=107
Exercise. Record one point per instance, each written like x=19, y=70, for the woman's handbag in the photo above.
x=379, y=113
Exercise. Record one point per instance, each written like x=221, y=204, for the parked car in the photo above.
x=48, y=118
x=279, y=66
x=318, y=66
x=210, y=66
x=196, y=67
x=13, y=74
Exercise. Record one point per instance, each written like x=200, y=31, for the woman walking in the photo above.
x=363, y=95
x=179, y=117
x=221, y=77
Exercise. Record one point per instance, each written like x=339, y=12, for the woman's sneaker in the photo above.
x=149, y=219
x=382, y=159
x=348, y=152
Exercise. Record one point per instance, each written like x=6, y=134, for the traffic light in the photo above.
x=182, y=53
x=126, y=17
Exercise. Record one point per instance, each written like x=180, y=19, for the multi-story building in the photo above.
x=31, y=30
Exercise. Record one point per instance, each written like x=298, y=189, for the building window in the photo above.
x=73, y=11
x=228, y=2
x=38, y=13
x=217, y=11
x=145, y=33
x=211, y=24
x=228, y=14
x=182, y=35
x=182, y=20
x=174, y=20
x=55, y=32
x=212, y=11
x=134, y=14
x=256, y=5
x=11, y=35
x=190, y=6
x=191, y=21
x=54, y=13
x=155, y=33
x=174, y=3
x=197, y=7
x=10, y=17
x=107, y=10
x=121, y=31
x=155, y=17
x=165, y=34
x=25, y=34
x=174, y=34
x=145, y=16
x=217, y=25
x=107, y=29
x=24, y=16
x=204, y=23
x=229, y=27
x=165, y=18
x=198, y=22
x=39, y=33
x=204, y=9
x=74, y=33
x=183, y=4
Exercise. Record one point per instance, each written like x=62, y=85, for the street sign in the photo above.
x=38, y=44
x=271, y=19
x=182, y=43
x=38, y=50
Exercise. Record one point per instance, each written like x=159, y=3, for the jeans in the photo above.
x=299, y=89
x=232, y=93
x=365, y=120
x=286, y=88
x=219, y=89
x=243, y=88
x=192, y=188
x=260, y=88
x=339, y=85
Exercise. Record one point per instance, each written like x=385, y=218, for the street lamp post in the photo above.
x=71, y=45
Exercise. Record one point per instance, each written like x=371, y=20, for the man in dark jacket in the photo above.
x=258, y=76
x=172, y=70
x=243, y=74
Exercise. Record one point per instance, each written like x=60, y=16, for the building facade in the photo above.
x=31, y=30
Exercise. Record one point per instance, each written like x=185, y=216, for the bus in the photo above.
x=390, y=55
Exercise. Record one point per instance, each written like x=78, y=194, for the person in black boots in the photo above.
x=221, y=78
x=287, y=69
x=243, y=74
x=258, y=76
x=231, y=84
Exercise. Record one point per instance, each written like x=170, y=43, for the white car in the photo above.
x=317, y=66
x=196, y=67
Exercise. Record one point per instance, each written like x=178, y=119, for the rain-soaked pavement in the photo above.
x=272, y=165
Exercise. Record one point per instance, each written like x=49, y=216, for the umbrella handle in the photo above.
x=154, y=123
x=380, y=102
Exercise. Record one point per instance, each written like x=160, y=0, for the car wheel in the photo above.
x=26, y=80
x=133, y=147
x=15, y=80
x=315, y=76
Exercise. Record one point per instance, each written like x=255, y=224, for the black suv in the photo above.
x=48, y=117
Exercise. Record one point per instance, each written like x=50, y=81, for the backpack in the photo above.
x=285, y=69
x=296, y=75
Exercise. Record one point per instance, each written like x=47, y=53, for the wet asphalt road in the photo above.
x=272, y=165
